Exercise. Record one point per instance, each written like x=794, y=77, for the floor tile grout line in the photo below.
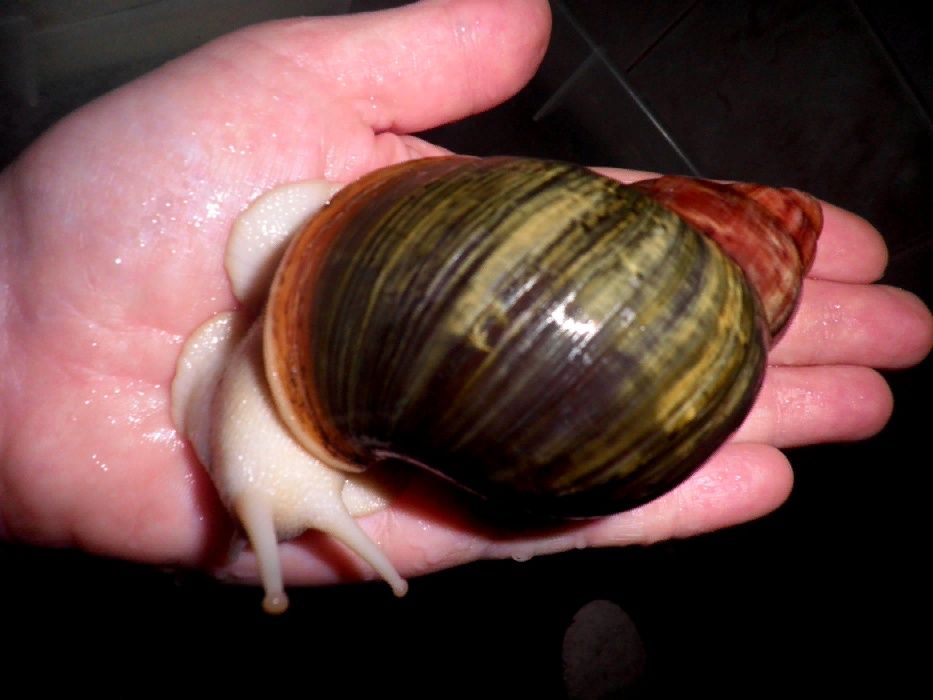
x=559, y=93
x=655, y=121
x=77, y=23
x=596, y=51
x=662, y=35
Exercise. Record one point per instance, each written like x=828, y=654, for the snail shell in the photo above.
x=538, y=334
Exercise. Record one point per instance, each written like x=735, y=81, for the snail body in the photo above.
x=545, y=337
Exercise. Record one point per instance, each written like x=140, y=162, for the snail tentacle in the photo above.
x=256, y=517
x=220, y=402
x=266, y=475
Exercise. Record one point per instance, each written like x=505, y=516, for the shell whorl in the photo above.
x=771, y=233
x=539, y=334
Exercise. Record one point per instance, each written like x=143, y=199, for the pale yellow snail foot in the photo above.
x=221, y=402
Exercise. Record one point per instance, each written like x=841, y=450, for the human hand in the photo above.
x=114, y=227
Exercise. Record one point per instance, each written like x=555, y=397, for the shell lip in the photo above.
x=310, y=440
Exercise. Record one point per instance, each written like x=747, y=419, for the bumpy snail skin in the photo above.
x=221, y=403
x=260, y=234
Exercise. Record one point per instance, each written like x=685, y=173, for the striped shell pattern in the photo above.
x=543, y=336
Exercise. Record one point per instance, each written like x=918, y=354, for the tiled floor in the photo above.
x=832, y=97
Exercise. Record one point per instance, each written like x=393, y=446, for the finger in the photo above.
x=625, y=176
x=417, y=66
x=856, y=324
x=419, y=148
x=739, y=483
x=809, y=405
x=849, y=248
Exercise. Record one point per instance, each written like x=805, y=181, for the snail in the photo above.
x=560, y=344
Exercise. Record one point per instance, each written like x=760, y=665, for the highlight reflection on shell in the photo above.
x=541, y=335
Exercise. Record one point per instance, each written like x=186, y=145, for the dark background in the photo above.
x=827, y=594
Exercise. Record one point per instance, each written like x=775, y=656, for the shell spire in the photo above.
x=770, y=232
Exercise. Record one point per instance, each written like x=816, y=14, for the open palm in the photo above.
x=114, y=225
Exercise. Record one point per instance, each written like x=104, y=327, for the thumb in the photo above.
x=410, y=68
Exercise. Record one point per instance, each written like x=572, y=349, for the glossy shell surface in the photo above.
x=540, y=335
